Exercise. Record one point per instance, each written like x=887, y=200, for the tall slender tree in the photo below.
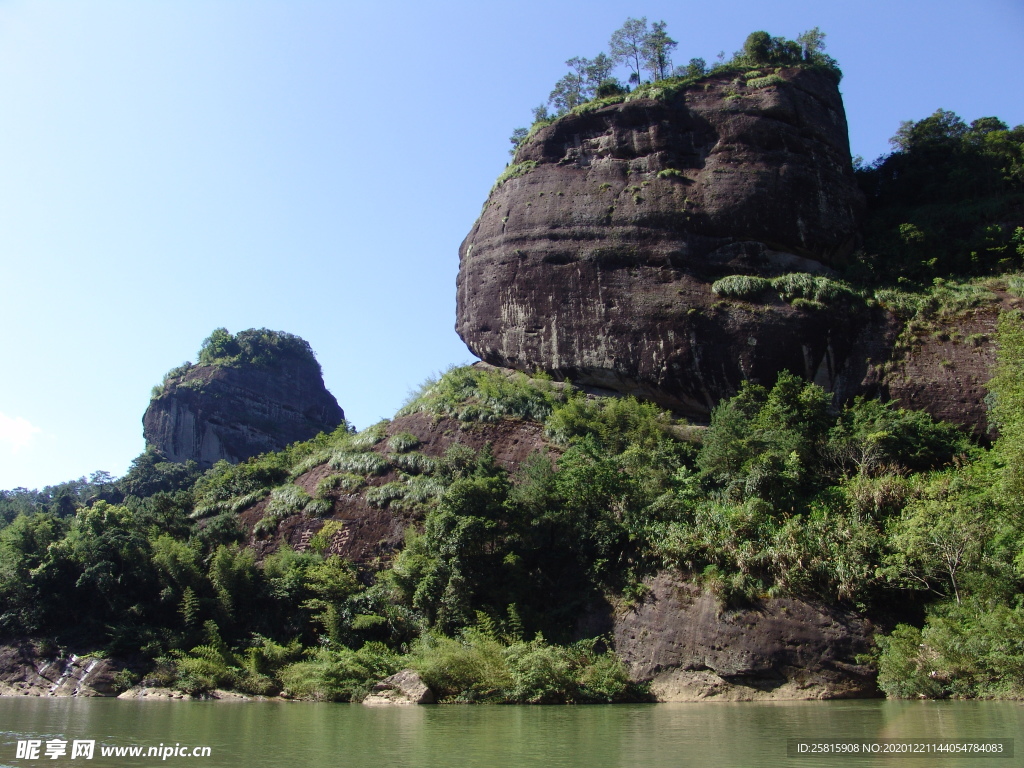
x=656, y=50
x=627, y=44
x=812, y=43
x=599, y=70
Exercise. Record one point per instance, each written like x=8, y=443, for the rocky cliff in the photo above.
x=594, y=260
x=691, y=647
x=595, y=255
x=239, y=407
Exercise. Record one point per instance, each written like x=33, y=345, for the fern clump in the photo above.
x=740, y=286
x=403, y=442
x=790, y=287
x=364, y=463
x=764, y=82
x=382, y=495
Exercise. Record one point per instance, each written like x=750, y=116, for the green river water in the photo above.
x=707, y=735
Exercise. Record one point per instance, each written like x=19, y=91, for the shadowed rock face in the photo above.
x=690, y=647
x=211, y=412
x=596, y=264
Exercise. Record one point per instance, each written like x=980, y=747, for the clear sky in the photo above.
x=171, y=166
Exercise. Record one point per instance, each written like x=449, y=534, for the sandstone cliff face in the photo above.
x=597, y=263
x=691, y=648
x=210, y=412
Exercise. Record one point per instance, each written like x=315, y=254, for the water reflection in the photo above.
x=340, y=736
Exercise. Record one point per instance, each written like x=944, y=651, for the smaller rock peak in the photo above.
x=249, y=393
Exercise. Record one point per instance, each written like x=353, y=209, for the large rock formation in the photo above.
x=594, y=260
x=690, y=647
x=595, y=255
x=372, y=532
x=237, y=406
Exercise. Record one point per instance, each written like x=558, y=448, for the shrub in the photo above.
x=287, y=500
x=266, y=525
x=614, y=421
x=740, y=286
x=1015, y=284
x=799, y=285
x=321, y=540
x=369, y=437
x=610, y=87
x=258, y=347
x=471, y=668
x=475, y=394
x=339, y=674
x=481, y=667
x=314, y=460
x=905, y=666
x=328, y=485
x=764, y=82
x=366, y=463
x=971, y=650
x=318, y=507
x=813, y=290
x=382, y=495
x=413, y=463
x=422, y=489
x=403, y=442
x=240, y=503
x=902, y=304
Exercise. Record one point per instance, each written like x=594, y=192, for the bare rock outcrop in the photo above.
x=690, y=648
x=240, y=408
x=25, y=670
x=400, y=689
x=594, y=260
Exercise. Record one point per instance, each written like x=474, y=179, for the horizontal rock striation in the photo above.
x=594, y=260
x=211, y=412
x=689, y=647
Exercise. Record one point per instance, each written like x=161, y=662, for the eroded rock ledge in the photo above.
x=691, y=649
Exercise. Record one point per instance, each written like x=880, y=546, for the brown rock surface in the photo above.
x=210, y=412
x=597, y=264
x=943, y=368
x=691, y=648
x=371, y=532
x=25, y=670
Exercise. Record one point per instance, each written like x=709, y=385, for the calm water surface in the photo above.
x=257, y=734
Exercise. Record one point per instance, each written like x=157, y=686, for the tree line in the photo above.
x=638, y=49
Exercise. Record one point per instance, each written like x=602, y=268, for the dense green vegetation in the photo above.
x=869, y=507
x=949, y=200
x=256, y=347
x=261, y=347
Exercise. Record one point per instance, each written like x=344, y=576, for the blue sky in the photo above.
x=168, y=167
